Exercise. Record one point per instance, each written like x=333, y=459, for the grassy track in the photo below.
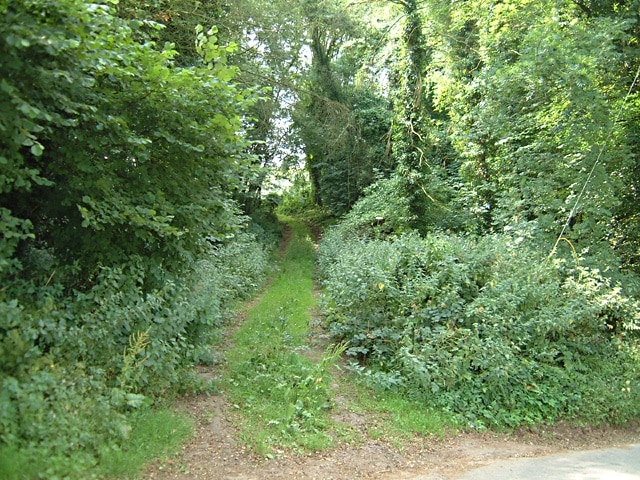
x=288, y=300
x=282, y=395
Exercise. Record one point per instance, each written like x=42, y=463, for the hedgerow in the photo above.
x=488, y=328
x=121, y=247
x=76, y=367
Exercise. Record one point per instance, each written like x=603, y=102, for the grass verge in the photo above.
x=154, y=434
x=392, y=416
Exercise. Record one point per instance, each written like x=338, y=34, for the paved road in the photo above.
x=605, y=464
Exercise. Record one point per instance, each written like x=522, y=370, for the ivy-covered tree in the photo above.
x=532, y=102
x=418, y=143
x=342, y=118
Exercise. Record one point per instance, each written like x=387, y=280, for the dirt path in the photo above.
x=215, y=452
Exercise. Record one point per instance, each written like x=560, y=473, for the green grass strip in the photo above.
x=282, y=396
x=285, y=305
x=154, y=434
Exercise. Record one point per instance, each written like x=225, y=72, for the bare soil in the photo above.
x=215, y=451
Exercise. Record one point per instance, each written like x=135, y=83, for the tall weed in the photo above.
x=487, y=328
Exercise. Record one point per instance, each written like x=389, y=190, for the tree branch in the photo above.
x=583, y=7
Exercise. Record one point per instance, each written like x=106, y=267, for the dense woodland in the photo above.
x=479, y=162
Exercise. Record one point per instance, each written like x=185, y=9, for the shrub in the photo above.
x=74, y=368
x=121, y=246
x=382, y=212
x=488, y=328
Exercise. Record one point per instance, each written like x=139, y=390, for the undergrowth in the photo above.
x=391, y=415
x=80, y=373
x=154, y=434
x=150, y=434
x=487, y=329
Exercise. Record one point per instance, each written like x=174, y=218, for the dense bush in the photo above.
x=381, y=213
x=122, y=247
x=76, y=366
x=298, y=197
x=487, y=328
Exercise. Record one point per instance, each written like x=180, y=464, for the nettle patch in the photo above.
x=488, y=329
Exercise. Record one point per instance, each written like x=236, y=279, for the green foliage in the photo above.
x=298, y=201
x=133, y=360
x=527, y=94
x=59, y=420
x=64, y=398
x=298, y=197
x=383, y=212
x=114, y=151
x=341, y=121
x=123, y=157
x=150, y=433
x=122, y=249
x=530, y=94
x=487, y=328
x=154, y=433
x=170, y=22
